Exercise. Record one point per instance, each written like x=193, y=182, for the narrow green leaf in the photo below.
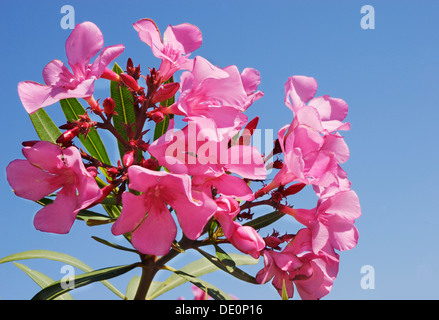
x=225, y=259
x=228, y=265
x=197, y=269
x=41, y=279
x=57, y=256
x=124, y=107
x=113, y=245
x=211, y=290
x=72, y=109
x=57, y=288
x=264, y=220
x=44, y=126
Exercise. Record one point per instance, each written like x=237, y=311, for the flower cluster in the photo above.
x=199, y=178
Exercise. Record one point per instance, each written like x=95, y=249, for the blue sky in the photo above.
x=388, y=76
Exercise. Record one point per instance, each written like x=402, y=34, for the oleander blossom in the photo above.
x=178, y=42
x=85, y=41
x=147, y=215
x=312, y=274
x=48, y=168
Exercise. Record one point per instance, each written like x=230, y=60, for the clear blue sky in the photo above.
x=388, y=76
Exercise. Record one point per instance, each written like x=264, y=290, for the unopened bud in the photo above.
x=93, y=171
x=293, y=189
x=130, y=82
x=157, y=117
x=109, y=106
x=68, y=136
x=128, y=158
x=166, y=92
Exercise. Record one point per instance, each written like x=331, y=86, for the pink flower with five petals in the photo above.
x=85, y=41
x=47, y=169
x=147, y=215
x=178, y=42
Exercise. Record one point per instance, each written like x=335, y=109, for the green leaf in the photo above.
x=227, y=264
x=225, y=259
x=57, y=288
x=44, y=126
x=41, y=279
x=72, y=109
x=124, y=108
x=113, y=245
x=197, y=269
x=264, y=220
x=57, y=256
x=211, y=290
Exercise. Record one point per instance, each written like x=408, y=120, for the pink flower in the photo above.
x=244, y=238
x=331, y=222
x=178, y=42
x=47, y=169
x=300, y=90
x=147, y=215
x=312, y=274
x=85, y=41
x=200, y=150
x=218, y=94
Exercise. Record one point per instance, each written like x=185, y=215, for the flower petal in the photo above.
x=107, y=55
x=58, y=217
x=185, y=37
x=133, y=211
x=156, y=233
x=84, y=43
x=28, y=181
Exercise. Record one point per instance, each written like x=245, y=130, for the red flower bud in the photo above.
x=293, y=189
x=130, y=82
x=128, y=158
x=166, y=92
x=248, y=131
x=68, y=136
x=109, y=106
x=157, y=117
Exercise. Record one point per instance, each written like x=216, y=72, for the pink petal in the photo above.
x=299, y=89
x=156, y=233
x=232, y=186
x=133, y=211
x=55, y=73
x=88, y=189
x=30, y=182
x=107, y=55
x=149, y=33
x=58, y=217
x=84, y=43
x=343, y=204
x=330, y=108
x=193, y=217
x=251, y=79
x=185, y=37
x=45, y=155
x=34, y=96
x=247, y=162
